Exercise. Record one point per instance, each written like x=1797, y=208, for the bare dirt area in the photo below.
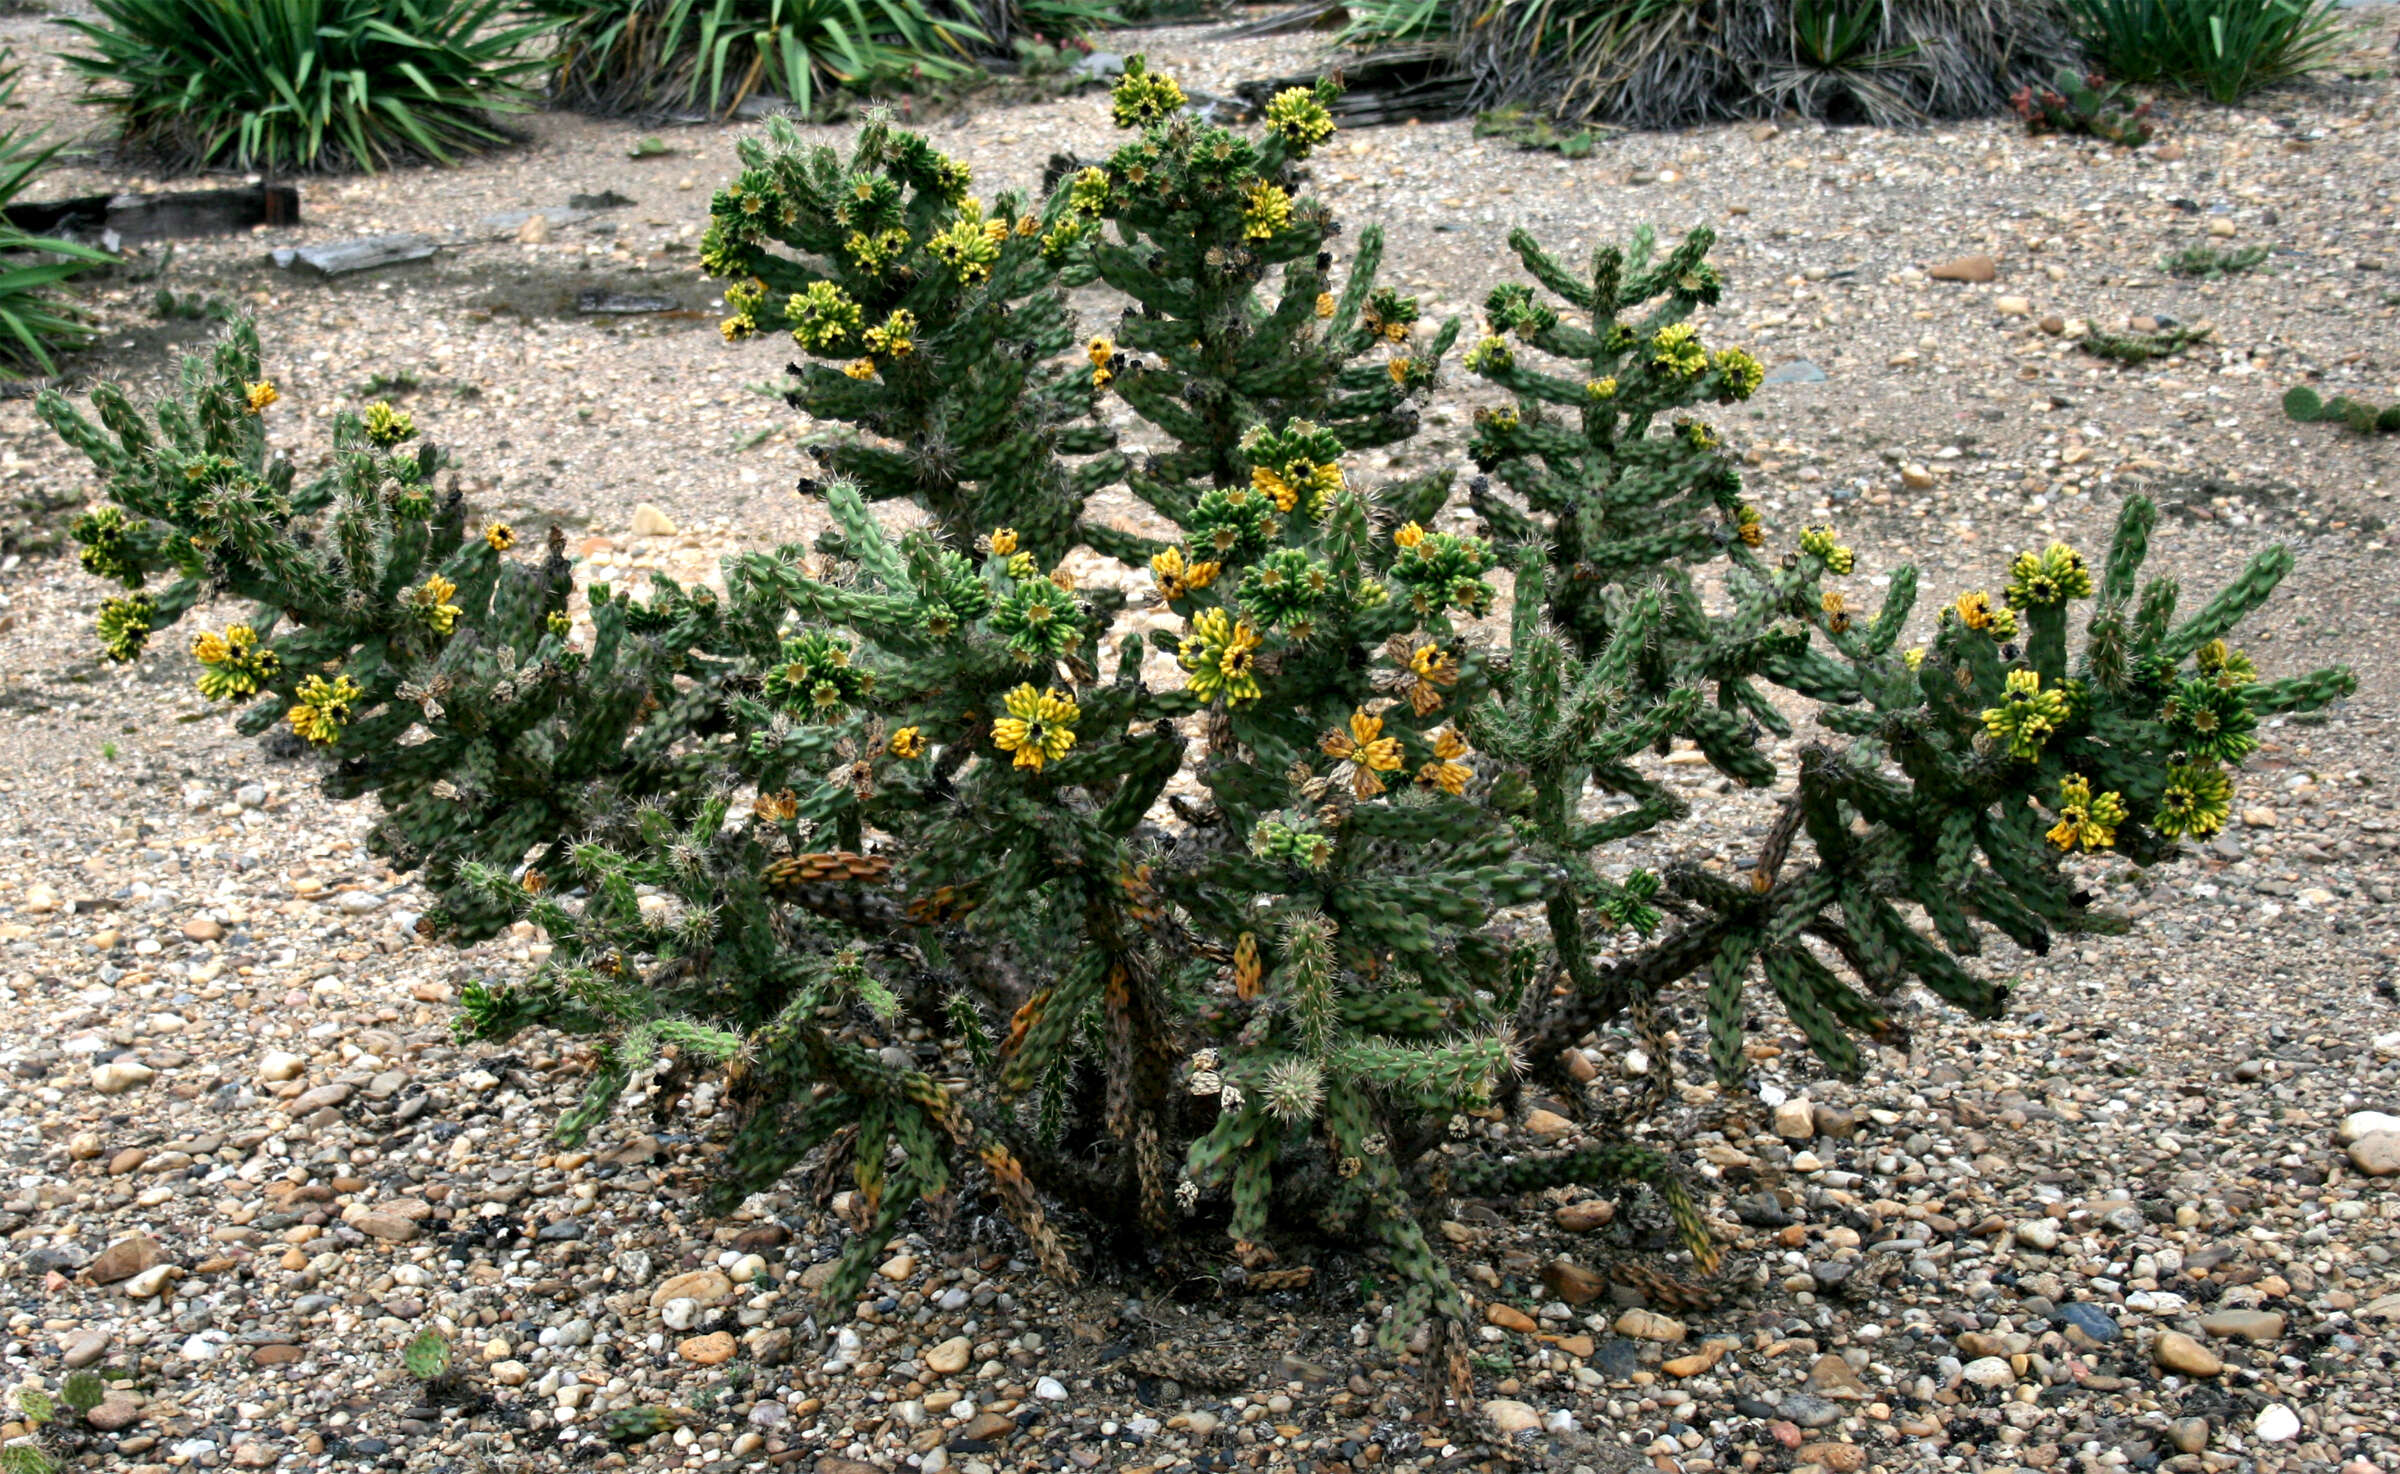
x=2126, y=1229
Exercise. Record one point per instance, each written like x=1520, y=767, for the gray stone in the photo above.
x=81, y=1348
x=367, y=253
x=2089, y=1319
x=1797, y=371
x=1809, y=1410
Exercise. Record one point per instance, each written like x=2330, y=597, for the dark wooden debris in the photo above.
x=131, y=219
x=1396, y=86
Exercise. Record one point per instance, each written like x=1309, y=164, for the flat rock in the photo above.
x=1796, y=371
x=1831, y=1376
x=2178, y=1352
x=704, y=1285
x=2246, y=1325
x=623, y=304
x=115, y=1413
x=79, y=1349
x=367, y=253
x=708, y=1350
x=377, y=1223
x=1966, y=269
x=318, y=1099
x=124, y=1259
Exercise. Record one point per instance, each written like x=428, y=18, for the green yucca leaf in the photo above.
x=303, y=85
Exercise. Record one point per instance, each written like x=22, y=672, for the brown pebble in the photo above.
x=1966, y=269
x=708, y=1350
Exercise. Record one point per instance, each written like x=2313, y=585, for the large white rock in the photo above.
x=2365, y=1123
x=120, y=1075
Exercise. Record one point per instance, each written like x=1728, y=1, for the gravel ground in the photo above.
x=2123, y=1229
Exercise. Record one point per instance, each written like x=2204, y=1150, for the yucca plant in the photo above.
x=305, y=85
x=619, y=56
x=1671, y=63
x=33, y=323
x=2224, y=49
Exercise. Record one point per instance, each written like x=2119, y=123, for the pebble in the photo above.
x=1796, y=1120
x=116, y=1412
x=2089, y=1319
x=79, y=1349
x=1512, y=1417
x=1649, y=1325
x=1966, y=269
x=2246, y=1325
x=649, y=520
x=2178, y=1352
x=2377, y=1153
x=124, y=1259
x=1990, y=1372
x=278, y=1065
x=951, y=1357
x=1509, y=1318
x=2038, y=1233
x=1841, y=1458
x=120, y=1075
x=2189, y=1435
x=708, y=1350
x=706, y=1286
x=2276, y=1424
x=2365, y=1123
x=1540, y=1122
x=1587, y=1215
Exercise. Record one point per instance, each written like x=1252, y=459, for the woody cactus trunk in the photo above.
x=1229, y=932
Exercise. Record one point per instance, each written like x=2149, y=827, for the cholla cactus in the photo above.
x=766, y=824
x=1233, y=322
x=1977, y=764
x=925, y=317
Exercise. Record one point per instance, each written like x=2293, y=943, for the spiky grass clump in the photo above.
x=33, y=323
x=1658, y=64
x=2222, y=49
x=623, y=56
x=291, y=86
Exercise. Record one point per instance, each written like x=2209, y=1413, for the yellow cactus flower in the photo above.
x=1039, y=727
